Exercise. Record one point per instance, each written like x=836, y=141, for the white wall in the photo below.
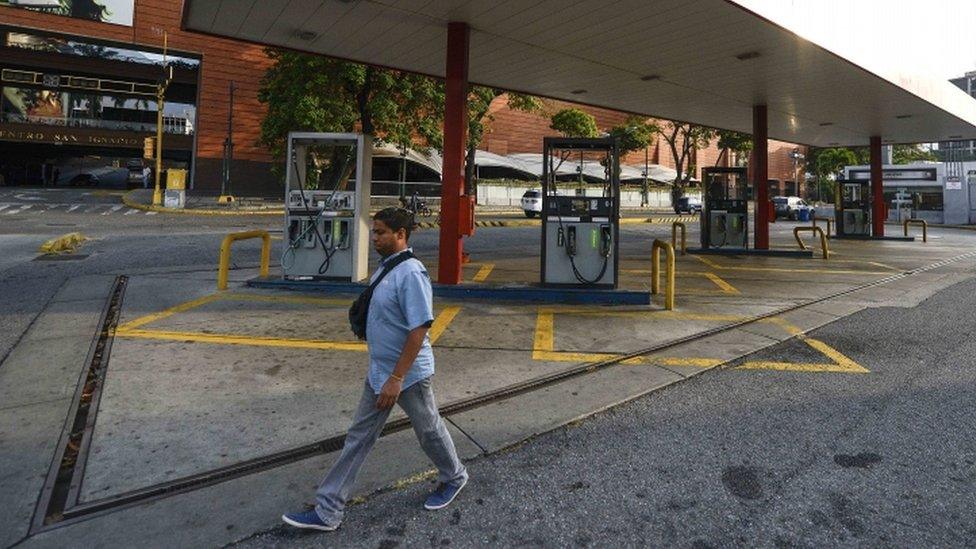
x=501, y=195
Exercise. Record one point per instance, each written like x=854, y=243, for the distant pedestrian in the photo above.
x=401, y=364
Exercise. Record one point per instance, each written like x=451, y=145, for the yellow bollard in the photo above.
x=829, y=223
x=225, y=254
x=674, y=236
x=815, y=231
x=656, y=271
x=925, y=227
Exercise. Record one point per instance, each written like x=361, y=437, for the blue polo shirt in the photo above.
x=402, y=302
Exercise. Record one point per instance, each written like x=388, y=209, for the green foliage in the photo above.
x=635, y=134
x=733, y=142
x=574, y=123
x=907, y=154
x=314, y=93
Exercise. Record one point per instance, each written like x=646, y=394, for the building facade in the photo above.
x=960, y=151
x=79, y=81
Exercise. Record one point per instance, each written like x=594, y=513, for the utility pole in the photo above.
x=160, y=93
x=228, y=152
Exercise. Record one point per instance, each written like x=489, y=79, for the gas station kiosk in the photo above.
x=724, y=218
x=327, y=189
x=580, y=232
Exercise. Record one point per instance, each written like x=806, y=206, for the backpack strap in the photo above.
x=389, y=266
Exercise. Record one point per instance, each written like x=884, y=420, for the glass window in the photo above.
x=67, y=46
x=118, y=12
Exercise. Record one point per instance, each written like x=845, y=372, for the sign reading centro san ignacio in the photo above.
x=85, y=137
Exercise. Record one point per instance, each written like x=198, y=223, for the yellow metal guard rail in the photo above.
x=814, y=230
x=656, y=271
x=674, y=236
x=225, y=253
x=830, y=223
x=925, y=227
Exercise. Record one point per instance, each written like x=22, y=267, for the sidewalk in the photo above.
x=219, y=410
x=196, y=204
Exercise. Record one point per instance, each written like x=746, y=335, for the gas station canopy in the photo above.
x=701, y=61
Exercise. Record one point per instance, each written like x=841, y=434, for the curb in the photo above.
x=181, y=211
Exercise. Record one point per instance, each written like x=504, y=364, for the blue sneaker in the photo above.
x=443, y=495
x=309, y=519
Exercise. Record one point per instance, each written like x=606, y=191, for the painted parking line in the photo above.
x=720, y=267
x=115, y=208
x=133, y=329
x=131, y=211
x=4, y=207
x=483, y=272
x=722, y=284
x=74, y=207
x=543, y=347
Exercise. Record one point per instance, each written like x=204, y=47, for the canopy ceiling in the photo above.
x=702, y=61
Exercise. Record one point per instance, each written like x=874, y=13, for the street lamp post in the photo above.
x=160, y=93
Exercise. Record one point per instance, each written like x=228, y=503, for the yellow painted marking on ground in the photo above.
x=714, y=265
x=543, y=340
x=182, y=307
x=697, y=362
x=276, y=237
x=841, y=364
x=725, y=286
x=795, y=367
x=289, y=299
x=258, y=341
x=442, y=321
x=835, y=355
x=483, y=272
x=570, y=356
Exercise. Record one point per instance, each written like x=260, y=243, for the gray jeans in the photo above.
x=418, y=402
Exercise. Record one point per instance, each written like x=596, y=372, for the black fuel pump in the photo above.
x=724, y=218
x=852, y=208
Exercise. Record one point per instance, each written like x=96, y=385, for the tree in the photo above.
x=635, y=134
x=684, y=140
x=733, y=142
x=480, y=118
x=574, y=123
x=314, y=93
x=825, y=163
x=907, y=154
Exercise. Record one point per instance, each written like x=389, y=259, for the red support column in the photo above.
x=878, y=213
x=760, y=175
x=455, y=138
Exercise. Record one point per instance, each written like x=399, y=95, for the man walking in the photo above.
x=400, y=366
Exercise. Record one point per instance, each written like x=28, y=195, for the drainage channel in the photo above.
x=59, y=505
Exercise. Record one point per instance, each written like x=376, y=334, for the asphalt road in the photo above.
x=735, y=458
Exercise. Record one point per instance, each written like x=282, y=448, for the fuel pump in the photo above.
x=580, y=232
x=852, y=208
x=327, y=189
x=724, y=219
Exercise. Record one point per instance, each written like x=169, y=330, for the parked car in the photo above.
x=532, y=202
x=688, y=204
x=789, y=207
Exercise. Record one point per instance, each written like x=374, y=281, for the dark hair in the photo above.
x=396, y=219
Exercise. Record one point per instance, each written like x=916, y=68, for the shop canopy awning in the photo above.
x=702, y=61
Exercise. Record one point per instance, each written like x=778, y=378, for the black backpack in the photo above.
x=359, y=309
